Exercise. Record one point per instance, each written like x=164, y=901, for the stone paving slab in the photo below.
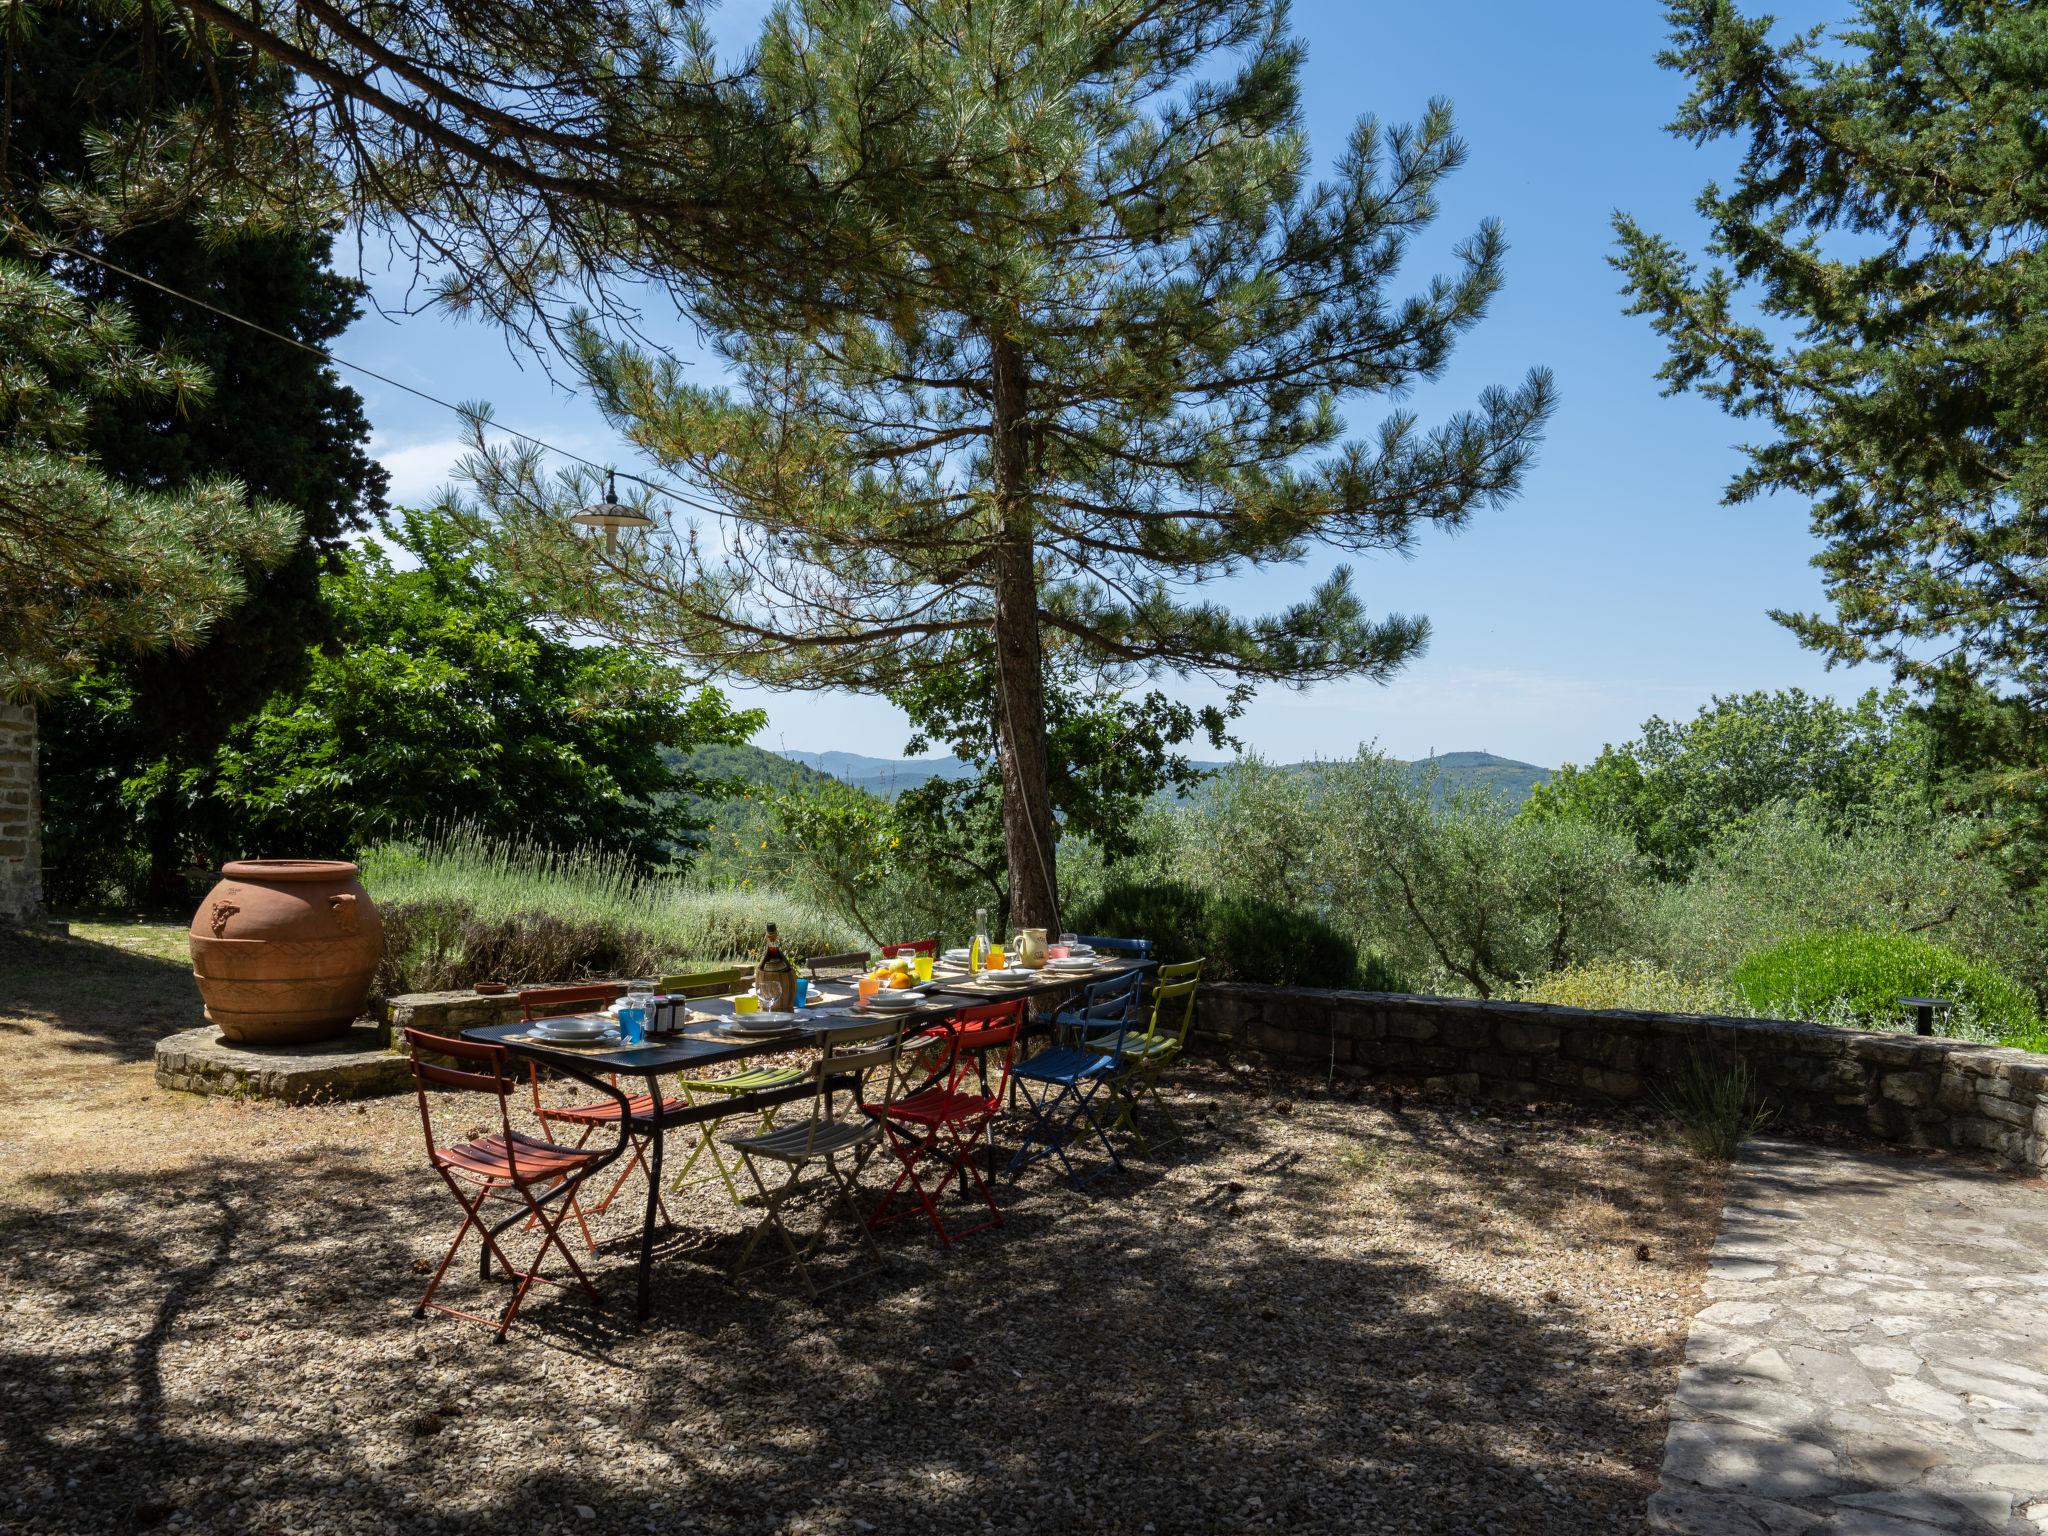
x=1872, y=1355
x=356, y=1065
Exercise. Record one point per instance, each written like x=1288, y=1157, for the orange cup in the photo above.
x=869, y=986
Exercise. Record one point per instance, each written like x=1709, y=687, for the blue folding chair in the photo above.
x=1136, y=949
x=1139, y=949
x=1057, y=1088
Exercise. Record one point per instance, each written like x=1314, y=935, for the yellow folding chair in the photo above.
x=721, y=983
x=1146, y=1055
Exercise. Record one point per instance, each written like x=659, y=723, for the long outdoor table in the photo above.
x=703, y=1044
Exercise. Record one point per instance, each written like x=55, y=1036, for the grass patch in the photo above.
x=1713, y=1096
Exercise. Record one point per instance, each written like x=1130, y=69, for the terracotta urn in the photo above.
x=284, y=949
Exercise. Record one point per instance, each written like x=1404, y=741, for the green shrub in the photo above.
x=1784, y=873
x=1870, y=972
x=1243, y=938
x=1636, y=985
x=1173, y=916
x=1254, y=940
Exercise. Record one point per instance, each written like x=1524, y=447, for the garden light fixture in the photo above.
x=1923, y=1010
x=611, y=515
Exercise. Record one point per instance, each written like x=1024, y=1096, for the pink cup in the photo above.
x=1056, y=951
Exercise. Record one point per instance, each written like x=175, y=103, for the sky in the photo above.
x=1616, y=587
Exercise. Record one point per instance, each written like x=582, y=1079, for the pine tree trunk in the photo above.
x=1028, y=830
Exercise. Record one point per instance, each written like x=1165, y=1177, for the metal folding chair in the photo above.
x=810, y=1154
x=944, y=1120
x=1058, y=1086
x=695, y=1090
x=1146, y=1054
x=506, y=1167
x=726, y=979
x=1137, y=949
x=551, y=1002
x=837, y=967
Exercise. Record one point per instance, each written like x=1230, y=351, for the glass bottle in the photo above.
x=775, y=977
x=977, y=954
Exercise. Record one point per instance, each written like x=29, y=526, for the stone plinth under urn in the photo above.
x=284, y=950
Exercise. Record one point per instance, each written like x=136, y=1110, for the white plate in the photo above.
x=569, y=1029
x=762, y=1022
x=957, y=956
x=1006, y=979
x=895, y=1000
x=1071, y=965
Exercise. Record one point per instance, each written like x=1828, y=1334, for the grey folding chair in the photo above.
x=809, y=1154
x=837, y=967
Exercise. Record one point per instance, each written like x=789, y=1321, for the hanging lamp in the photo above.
x=610, y=514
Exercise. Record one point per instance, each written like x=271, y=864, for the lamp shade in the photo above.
x=610, y=514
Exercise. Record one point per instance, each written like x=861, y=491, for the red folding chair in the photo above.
x=942, y=1122
x=928, y=946
x=550, y=1002
x=504, y=1167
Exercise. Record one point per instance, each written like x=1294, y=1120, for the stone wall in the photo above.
x=446, y=1013
x=21, y=819
x=1897, y=1088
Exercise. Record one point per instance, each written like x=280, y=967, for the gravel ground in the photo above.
x=1328, y=1310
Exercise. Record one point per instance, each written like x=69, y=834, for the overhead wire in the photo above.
x=658, y=487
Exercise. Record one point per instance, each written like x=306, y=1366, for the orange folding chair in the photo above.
x=556, y=1119
x=506, y=1167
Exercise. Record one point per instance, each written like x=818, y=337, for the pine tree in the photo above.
x=1886, y=229
x=89, y=565
x=277, y=418
x=1886, y=224
x=1107, y=363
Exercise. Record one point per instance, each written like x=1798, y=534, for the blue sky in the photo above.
x=1617, y=586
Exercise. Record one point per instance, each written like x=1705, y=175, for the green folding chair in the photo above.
x=696, y=1090
x=809, y=1156
x=719, y=983
x=1146, y=1055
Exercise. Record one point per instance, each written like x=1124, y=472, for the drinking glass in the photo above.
x=995, y=957
x=923, y=966
x=869, y=986
x=803, y=990
x=746, y=1002
x=633, y=1021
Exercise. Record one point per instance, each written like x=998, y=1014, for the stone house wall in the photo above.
x=21, y=819
x=1896, y=1088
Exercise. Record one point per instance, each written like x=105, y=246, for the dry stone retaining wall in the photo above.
x=1899, y=1088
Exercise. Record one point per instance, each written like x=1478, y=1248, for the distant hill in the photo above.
x=750, y=765
x=1456, y=771
x=884, y=776
x=890, y=776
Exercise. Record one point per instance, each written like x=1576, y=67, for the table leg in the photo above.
x=656, y=1137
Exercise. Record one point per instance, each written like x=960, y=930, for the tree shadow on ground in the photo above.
x=100, y=997
x=1201, y=1346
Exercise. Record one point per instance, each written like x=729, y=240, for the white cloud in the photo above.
x=419, y=471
